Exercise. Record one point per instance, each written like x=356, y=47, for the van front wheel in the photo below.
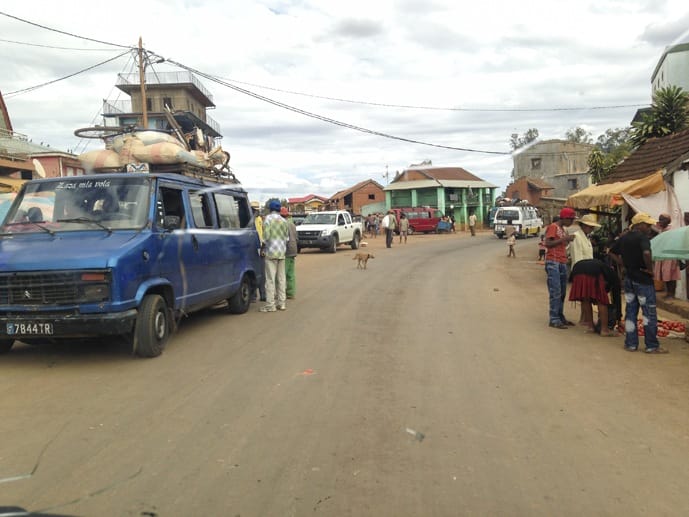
x=239, y=302
x=152, y=327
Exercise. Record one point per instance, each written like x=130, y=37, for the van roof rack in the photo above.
x=185, y=169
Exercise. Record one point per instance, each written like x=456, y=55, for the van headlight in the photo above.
x=325, y=233
x=95, y=286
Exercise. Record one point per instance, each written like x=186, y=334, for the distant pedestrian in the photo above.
x=472, y=224
x=290, y=256
x=388, y=224
x=376, y=225
x=452, y=223
x=404, y=227
x=556, y=240
x=258, y=222
x=511, y=241
x=633, y=250
x=275, y=237
x=667, y=271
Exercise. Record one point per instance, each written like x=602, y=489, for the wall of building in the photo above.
x=673, y=69
x=366, y=195
x=58, y=166
x=550, y=158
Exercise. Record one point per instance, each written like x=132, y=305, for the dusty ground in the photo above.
x=428, y=384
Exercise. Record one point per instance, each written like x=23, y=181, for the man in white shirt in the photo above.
x=388, y=223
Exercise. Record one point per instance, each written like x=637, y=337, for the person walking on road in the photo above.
x=388, y=224
x=556, y=240
x=633, y=251
x=511, y=241
x=290, y=256
x=275, y=237
x=404, y=227
x=472, y=224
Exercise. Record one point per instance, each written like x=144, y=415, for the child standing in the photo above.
x=511, y=241
x=541, y=249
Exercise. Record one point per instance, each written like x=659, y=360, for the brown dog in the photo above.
x=362, y=259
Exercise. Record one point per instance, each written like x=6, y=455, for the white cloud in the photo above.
x=437, y=54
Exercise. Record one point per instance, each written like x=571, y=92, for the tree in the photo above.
x=669, y=114
x=579, y=135
x=611, y=148
x=529, y=136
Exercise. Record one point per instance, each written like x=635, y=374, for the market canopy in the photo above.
x=10, y=184
x=610, y=194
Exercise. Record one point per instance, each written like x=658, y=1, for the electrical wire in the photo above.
x=324, y=118
x=35, y=87
x=433, y=108
x=58, y=48
x=63, y=32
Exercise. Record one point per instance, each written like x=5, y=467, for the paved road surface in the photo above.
x=427, y=385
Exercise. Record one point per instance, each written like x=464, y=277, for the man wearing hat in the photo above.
x=275, y=236
x=633, y=250
x=556, y=241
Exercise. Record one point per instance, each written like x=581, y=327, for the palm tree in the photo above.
x=669, y=114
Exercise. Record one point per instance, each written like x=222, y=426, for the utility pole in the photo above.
x=142, y=85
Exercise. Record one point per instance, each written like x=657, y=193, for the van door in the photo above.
x=236, y=253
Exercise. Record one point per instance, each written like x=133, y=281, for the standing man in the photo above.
x=667, y=270
x=275, y=236
x=290, y=256
x=633, y=250
x=258, y=222
x=389, y=225
x=472, y=224
x=556, y=240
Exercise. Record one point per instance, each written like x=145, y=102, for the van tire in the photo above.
x=6, y=345
x=152, y=327
x=410, y=230
x=355, y=241
x=239, y=302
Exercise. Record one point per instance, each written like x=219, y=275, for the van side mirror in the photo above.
x=171, y=222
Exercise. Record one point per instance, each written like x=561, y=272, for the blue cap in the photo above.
x=274, y=206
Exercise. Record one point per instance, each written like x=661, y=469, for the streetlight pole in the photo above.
x=142, y=86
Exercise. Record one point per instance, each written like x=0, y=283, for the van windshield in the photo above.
x=78, y=204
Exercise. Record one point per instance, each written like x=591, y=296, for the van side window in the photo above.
x=228, y=210
x=170, y=203
x=200, y=210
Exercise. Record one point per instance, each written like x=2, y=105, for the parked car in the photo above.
x=327, y=230
x=123, y=255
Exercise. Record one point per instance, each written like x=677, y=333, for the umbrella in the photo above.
x=672, y=244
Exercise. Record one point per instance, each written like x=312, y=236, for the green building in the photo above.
x=452, y=190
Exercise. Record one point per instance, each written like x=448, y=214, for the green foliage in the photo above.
x=669, y=114
x=579, y=135
x=517, y=141
x=611, y=148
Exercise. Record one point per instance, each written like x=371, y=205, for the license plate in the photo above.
x=30, y=329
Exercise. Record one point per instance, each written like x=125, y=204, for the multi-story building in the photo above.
x=672, y=68
x=560, y=163
x=181, y=92
x=354, y=198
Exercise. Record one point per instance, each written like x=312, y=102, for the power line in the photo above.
x=58, y=48
x=63, y=32
x=35, y=87
x=324, y=118
x=434, y=108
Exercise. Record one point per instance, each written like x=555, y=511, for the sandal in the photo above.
x=658, y=350
x=569, y=323
x=608, y=334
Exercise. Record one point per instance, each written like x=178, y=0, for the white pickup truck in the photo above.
x=327, y=230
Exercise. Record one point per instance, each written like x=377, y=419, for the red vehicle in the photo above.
x=421, y=218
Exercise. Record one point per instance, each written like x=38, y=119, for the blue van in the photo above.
x=123, y=254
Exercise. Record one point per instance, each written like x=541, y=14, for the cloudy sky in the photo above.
x=463, y=75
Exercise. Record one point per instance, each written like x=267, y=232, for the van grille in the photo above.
x=309, y=234
x=41, y=288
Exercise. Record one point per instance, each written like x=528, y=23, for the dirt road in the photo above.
x=429, y=384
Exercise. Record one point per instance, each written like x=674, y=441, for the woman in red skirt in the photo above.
x=591, y=281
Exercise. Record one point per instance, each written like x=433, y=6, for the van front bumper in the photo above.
x=52, y=325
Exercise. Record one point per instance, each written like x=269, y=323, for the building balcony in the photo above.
x=128, y=82
x=115, y=109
